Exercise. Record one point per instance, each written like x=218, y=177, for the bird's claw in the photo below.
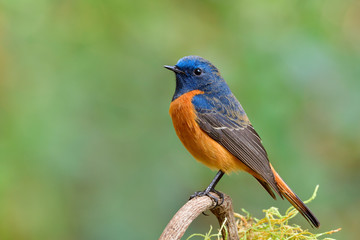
x=221, y=195
x=207, y=193
x=197, y=194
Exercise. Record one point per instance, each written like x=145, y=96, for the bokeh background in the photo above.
x=87, y=148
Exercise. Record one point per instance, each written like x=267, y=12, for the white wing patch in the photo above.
x=231, y=129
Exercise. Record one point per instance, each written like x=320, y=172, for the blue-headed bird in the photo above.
x=214, y=128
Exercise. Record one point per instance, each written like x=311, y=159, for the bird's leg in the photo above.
x=211, y=188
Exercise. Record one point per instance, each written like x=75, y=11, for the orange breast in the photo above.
x=196, y=141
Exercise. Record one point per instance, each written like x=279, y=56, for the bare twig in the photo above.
x=193, y=208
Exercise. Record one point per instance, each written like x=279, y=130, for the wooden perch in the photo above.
x=193, y=208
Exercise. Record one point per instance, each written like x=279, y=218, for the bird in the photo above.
x=213, y=126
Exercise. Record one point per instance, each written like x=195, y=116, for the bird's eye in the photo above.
x=197, y=71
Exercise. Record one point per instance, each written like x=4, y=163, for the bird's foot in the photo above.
x=207, y=193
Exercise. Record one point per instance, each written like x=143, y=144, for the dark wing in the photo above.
x=225, y=121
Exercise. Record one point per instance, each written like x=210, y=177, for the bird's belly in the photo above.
x=196, y=141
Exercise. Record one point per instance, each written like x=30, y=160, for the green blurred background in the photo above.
x=87, y=147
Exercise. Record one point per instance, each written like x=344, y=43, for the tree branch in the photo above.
x=193, y=208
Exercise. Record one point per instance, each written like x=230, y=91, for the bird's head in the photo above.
x=197, y=73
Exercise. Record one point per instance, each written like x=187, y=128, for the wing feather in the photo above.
x=229, y=126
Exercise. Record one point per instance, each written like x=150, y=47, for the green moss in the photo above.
x=274, y=225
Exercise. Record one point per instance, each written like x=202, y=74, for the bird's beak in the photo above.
x=175, y=69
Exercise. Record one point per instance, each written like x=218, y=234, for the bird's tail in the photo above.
x=295, y=200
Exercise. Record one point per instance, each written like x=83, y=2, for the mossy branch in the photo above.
x=273, y=225
x=234, y=226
